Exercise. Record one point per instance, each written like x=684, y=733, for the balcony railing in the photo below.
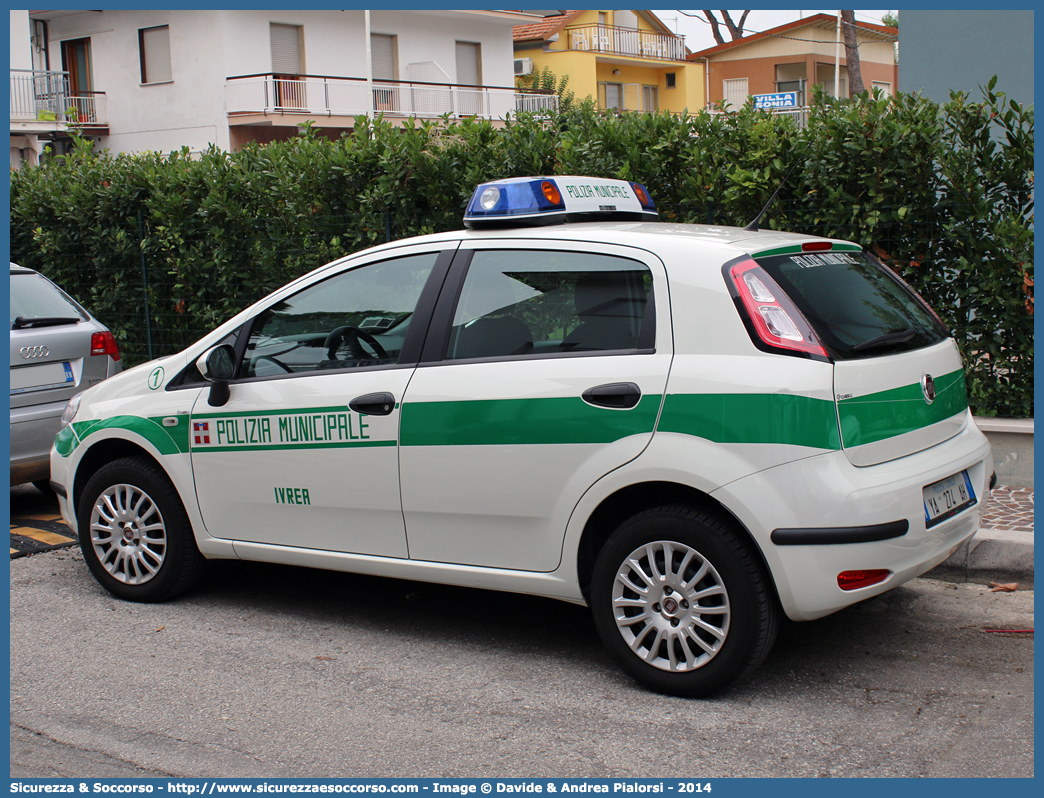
x=610, y=40
x=310, y=95
x=38, y=96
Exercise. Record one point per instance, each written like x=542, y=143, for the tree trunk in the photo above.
x=735, y=31
x=855, y=76
x=713, y=20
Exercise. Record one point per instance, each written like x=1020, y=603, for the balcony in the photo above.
x=41, y=103
x=609, y=40
x=310, y=96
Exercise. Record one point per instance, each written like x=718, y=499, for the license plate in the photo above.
x=947, y=497
x=41, y=377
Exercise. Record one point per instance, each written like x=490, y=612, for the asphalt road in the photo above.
x=275, y=671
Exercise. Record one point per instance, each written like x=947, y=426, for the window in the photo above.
x=383, y=52
x=469, y=64
x=537, y=302
x=650, y=99
x=886, y=88
x=288, y=64
x=857, y=306
x=671, y=79
x=154, y=54
x=735, y=93
x=613, y=95
x=797, y=86
x=469, y=102
x=355, y=319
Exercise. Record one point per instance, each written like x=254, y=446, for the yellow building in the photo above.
x=621, y=59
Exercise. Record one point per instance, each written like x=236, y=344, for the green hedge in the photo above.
x=943, y=194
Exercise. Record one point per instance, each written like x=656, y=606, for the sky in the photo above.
x=698, y=34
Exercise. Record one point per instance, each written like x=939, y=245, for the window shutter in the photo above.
x=735, y=91
x=286, y=49
x=469, y=70
x=155, y=44
x=382, y=51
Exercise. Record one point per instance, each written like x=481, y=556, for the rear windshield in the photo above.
x=35, y=297
x=857, y=306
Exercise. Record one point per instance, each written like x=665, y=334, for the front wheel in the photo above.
x=134, y=533
x=682, y=603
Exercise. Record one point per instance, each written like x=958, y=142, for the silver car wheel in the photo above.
x=128, y=534
x=671, y=606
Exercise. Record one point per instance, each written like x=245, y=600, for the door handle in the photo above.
x=373, y=404
x=617, y=395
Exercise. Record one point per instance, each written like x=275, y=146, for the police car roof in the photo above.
x=648, y=235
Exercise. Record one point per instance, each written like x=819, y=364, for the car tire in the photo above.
x=695, y=627
x=134, y=533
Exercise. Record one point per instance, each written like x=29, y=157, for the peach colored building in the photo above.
x=794, y=57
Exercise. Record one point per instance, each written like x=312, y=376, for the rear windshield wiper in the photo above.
x=21, y=322
x=888, y=339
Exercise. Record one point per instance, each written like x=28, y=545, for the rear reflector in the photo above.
x=104, y=343
x=853, y=580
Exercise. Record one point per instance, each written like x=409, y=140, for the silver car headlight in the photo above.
x=71, y=409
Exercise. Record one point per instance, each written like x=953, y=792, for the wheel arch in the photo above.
x=104, y=452
x=633, y=499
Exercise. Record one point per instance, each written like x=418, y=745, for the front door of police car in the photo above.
x=305, y=451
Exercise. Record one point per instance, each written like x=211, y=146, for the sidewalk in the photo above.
x=1002, y=550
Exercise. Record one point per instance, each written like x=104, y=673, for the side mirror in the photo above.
x=218, y=366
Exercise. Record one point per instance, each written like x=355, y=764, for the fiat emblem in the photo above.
x=670, y=606
x=928, y=388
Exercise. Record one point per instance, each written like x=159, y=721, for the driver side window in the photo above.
x=355, y=319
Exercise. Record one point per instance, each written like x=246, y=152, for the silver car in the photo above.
x=57, y=350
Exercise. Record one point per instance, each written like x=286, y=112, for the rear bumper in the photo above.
x=868, y=499
x=32, y=434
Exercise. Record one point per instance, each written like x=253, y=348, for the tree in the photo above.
x=736, y=31
x=890, y=19
x=855, y=75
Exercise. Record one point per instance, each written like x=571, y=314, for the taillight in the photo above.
x=775, y=318
x=853, y=580
x=104, y=343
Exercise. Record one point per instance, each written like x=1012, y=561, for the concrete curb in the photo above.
x=993, y=555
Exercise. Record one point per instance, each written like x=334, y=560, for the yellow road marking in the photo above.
x=48, y=517
x=49, y=538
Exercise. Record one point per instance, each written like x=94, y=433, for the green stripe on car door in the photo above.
x=501, y=422
x=753, y=418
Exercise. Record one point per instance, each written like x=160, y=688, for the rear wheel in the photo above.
x=134, y=533
x=682, y=603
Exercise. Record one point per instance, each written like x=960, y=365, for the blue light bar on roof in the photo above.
x=520, y=201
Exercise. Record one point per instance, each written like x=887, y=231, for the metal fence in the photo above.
x=45, y=97
x=335, y=96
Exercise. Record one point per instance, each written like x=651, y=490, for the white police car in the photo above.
x=691, y=429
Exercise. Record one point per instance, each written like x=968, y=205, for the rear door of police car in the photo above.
x=544, y=369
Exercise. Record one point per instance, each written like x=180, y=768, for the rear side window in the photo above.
x=534, y=302
x=857, y=307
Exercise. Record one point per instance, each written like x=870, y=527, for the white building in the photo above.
x=163, y=80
